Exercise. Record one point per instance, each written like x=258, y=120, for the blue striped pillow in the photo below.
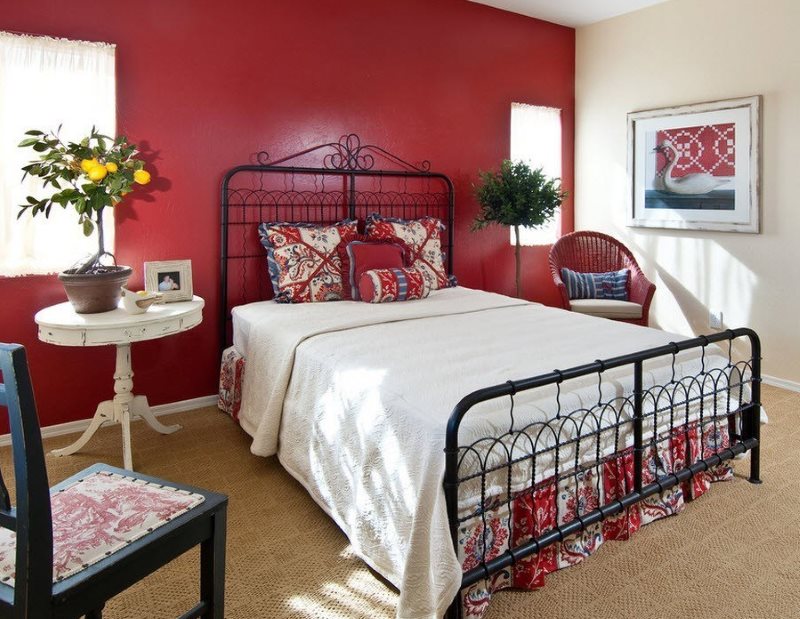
x=611, y=285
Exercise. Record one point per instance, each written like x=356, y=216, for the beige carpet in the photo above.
x=733, y=553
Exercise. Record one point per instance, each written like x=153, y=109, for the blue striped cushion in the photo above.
x=611, y=285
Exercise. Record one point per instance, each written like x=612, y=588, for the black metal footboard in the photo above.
x=565, y=425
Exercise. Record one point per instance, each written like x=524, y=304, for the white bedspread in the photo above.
x=355, y=397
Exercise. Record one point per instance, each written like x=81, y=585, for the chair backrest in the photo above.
x=31, y=519
x=590, y=252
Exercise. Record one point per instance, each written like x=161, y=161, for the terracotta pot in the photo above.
x=92, y=293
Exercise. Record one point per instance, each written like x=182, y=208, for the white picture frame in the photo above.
x=171, y=278
x=696, y=167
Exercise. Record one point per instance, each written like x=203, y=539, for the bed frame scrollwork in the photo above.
x=722, y=396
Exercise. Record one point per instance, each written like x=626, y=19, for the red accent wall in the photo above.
x=205, y=84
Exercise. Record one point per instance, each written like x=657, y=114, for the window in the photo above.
x=536, y=140
x=45, y=83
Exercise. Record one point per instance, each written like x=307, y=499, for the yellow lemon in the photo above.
x=112, y=167
x=142, y=177
x=97, y=173
x=88, y=164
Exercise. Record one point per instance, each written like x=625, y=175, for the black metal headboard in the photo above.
x=322, y=184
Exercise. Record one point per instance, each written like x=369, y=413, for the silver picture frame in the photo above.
x=171, y=278
x=696, y=167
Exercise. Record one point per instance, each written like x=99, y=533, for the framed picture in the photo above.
x=172, y=278
x=696, y=167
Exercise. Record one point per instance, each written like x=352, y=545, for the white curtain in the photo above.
x=45, y=83
x=536, y=140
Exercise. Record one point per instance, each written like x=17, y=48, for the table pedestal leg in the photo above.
x=123, y=386
x=105, y=412
x=140, y=408
x=121, y=409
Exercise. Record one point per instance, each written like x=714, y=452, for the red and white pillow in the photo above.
x=363, y=255
x=384, y=285
x=304, y=262
x=423, y=237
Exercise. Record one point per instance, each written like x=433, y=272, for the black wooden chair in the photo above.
x=64, y=552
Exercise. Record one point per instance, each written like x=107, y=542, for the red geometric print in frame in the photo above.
x=696, y=167
x=709, y=148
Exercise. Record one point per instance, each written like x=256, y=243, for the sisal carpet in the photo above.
x=733, y=553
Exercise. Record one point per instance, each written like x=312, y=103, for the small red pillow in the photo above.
x=422, y=236
x=382, y=285
x=363, y=256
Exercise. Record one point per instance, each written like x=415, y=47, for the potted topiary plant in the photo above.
x=90, y=176
x=517, y=195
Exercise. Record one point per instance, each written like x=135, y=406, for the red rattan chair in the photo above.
x=593, y=252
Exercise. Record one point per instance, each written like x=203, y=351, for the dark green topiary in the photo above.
x=517, y=196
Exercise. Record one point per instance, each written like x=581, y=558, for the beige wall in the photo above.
x=689, y=51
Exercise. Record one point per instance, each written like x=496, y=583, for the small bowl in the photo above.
x=136, y=303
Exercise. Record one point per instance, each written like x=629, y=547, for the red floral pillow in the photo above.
x=423, y=237
x=364, y=255
x=303, y=259
x=383, y=285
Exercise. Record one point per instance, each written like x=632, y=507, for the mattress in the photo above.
x=354, y=399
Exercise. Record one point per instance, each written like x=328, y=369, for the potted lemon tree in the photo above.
x=515, y=196
x=88, y=176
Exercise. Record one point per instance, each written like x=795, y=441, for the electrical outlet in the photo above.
x=715, y=319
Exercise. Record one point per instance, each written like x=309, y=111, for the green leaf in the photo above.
x=39, y=207
x=88, y=226
x=97, y=200
x=28, y=142
x=40, y=147
x=34, y=132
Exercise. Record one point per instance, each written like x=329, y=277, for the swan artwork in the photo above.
x=696, y=183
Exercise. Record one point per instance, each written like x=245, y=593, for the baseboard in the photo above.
x=72, y=427
x=781, y=382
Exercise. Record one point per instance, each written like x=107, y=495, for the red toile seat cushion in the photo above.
x=97, y=516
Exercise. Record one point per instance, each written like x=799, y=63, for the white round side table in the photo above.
x=59, y=324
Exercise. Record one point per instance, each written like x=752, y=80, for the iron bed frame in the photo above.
x=331, y=181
